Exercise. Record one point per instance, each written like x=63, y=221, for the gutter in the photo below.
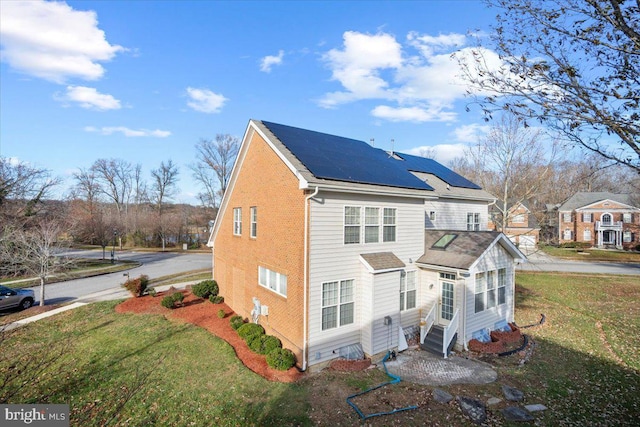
x=306, y=277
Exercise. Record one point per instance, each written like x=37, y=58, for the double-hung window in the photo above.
x=371, y=225
x=351, y=224
x=407, y=290
x=491, y=289
x=337, y=304
x=389, y=225
x=586, y=217
x=473, y=221
x=627, y=217
x=254, y=222
x=272, y=280
x=480, y=291
x=237, y=221
x=502, y=285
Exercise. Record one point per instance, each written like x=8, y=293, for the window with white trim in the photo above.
x=351, y=224
x=480, y=292
x=567, y=234
x=491, y=289
x=566, y=217
x=502, y=285
x=586, y=235
x=272, y=280
x=371, y=225
x=627, y=236
x=237, y=221
x=407, y=290
x=473, y=221
x=606, y=219
x=389, y=225
x=627, y=217
x=518, y=219
x=254, y=222
x=586, y=217
x=337, y=304
x=432, y=215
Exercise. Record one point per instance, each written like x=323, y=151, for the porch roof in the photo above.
x=461, y=253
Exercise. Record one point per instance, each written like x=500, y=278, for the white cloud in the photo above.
x=205, y=101
x=53, y=41
x=90, y=98
x=421, y=80
x=443, y=153
x=269, y=61
x=470, y=133
x=109, y=130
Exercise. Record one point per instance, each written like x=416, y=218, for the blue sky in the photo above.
x=146, y=80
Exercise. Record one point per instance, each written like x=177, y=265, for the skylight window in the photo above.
x=444, y=241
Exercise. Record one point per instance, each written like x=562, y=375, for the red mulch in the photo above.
x=205, y=314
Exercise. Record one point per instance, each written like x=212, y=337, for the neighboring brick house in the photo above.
x=521, y=226
x=601, y=219
x=337, y=247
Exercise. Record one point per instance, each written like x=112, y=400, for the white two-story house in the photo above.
x=339, y=248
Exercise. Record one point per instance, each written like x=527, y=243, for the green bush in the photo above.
x=236, y=321
x=281, y=359
x=137, y=286
x=576, y=245
x=152, y=292
x=217, y=299
x=171, y=301
x=205, y=288
x=221, y=314
x=263, y=344
x=248, y=330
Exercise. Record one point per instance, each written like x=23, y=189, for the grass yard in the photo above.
x=123, y=369
x=592, y=254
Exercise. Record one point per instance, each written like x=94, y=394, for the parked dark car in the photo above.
x=12, y=298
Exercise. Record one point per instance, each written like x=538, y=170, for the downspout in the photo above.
x=306, y=276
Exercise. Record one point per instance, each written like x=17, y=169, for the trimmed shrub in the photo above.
x=205, y=288
x=137, y=286
x=236, y=321
x=171, y=301
x=248, y=330
x=221, y=314
x=264, y=344
x=217, y=299
x=281, y=359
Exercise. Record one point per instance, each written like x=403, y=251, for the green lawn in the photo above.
x=592, y=254
x=125, y=369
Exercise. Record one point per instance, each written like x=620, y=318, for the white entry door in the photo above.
x=446, y=302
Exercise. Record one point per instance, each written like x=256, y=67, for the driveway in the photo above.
x=539, y=261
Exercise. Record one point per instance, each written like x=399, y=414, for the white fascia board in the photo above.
x=383, y=191
x=457, y=271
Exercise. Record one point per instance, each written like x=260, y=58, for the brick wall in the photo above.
x=265, y=182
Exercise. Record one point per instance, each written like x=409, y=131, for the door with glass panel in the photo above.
x=446, y=301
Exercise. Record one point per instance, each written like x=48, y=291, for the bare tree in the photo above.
x=22, y=188
x=115, y=177
x=573, y=65
x=514, y=164
x=163, y=187
x=215, y=159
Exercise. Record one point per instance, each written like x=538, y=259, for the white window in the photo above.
x=371, y=225
x=432, y=216
x=389, y=225
x=407, y=290
x=566, y=217
x=567, y=234
x=480, y=291
x=473, y=221
x=502, y=285
x=491, y=289
x=237, y=221
x=586, y=235
x=627, y=217
x=272, y=280
x=351, y=224
x=337, y=304
x=254, y=221
x=606, y=219
x=518, y=219
x=586, y=217
x=627, y=236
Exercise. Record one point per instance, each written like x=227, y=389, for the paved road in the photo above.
x=153, y=265
x=539, y=261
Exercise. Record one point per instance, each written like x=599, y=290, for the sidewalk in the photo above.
x=106, y=295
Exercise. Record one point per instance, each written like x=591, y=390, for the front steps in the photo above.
x=433, y=341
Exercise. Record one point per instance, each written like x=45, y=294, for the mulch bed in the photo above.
x=205, y=314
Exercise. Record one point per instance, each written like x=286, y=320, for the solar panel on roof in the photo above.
x=422, y=164
x=344, y=159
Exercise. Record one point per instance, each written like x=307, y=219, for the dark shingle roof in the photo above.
x=584, y=198
x=461, y=253
x=383, y=261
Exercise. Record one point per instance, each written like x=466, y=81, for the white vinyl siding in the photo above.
x=272, y=280
x=452, y=214
x=237, y=221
